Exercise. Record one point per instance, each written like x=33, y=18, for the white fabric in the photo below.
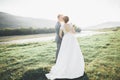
x=70, y=62
x=62, y=28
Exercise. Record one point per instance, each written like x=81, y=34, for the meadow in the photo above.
x=32, y=60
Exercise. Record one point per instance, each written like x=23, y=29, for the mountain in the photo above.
x=104, y=25
x=11, y=21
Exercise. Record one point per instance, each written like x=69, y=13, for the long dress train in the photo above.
x=70, y=62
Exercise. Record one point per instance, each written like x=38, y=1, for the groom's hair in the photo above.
x=59, y=15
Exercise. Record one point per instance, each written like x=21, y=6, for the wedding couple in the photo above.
x=69, y=59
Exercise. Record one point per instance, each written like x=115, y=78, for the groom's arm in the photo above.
x=57, y=28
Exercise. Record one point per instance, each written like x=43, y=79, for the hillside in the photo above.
x=104, y=25
x=11, y=21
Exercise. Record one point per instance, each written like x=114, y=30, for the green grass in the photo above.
x=31, y=61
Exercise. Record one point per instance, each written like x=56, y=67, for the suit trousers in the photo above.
x=58, y=48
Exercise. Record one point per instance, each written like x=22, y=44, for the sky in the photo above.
x=81, y=12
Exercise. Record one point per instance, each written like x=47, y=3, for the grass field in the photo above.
x=31, y=61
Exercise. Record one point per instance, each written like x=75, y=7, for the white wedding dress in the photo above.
x=70, y=61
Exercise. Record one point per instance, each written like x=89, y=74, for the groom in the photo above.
x=57, y=29
x=58, y=42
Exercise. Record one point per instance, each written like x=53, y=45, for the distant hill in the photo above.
x=104, y=25
x=11, y=21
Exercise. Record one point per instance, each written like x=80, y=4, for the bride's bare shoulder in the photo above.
x=66, y=25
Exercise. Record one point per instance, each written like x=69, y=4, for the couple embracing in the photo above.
x=69, y=59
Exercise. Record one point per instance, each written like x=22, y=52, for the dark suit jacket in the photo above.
x=57, y=30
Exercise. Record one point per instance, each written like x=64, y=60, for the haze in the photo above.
x=81, y=12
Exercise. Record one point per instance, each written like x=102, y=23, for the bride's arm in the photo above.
x=60, y=33
x=73, y=29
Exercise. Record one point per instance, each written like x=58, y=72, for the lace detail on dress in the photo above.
x=63, y=28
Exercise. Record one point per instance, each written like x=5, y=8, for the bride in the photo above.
x=70, y=61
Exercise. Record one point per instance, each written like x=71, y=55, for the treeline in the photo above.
x=26, y=31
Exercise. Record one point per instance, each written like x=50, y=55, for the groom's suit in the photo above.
x=58, y=39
